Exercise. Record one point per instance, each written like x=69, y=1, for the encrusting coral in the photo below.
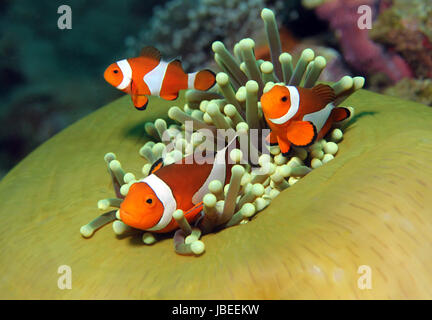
x=189, y=27
x=235, y=106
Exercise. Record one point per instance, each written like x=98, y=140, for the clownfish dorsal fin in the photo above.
x=177, y=62
x=156, y=166
x=324, y=92
x=151, y=52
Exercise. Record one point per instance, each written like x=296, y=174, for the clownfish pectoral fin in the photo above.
x=301, y=133
x=156, y=166
x=285, y=147
x=325, y=93
x=271, y=139
x=170, y=96
x=340, y=114
x=204, y=80
x=151, y=52
x=140, y=101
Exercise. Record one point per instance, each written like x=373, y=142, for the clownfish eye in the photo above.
x=149, y=201
x=115, y=71
x=284, y=98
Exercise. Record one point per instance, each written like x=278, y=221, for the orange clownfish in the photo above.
x=149, y=75
x=299, y=116
x=151, y=202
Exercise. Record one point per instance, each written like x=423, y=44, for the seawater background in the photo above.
x=49, y=78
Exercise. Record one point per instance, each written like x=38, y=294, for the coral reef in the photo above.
x=358, y=49
x=405, y=27
x=187, y=28
x=412, y=89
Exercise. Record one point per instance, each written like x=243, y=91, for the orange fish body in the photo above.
x=299, y=116
x=150, y=203
x=149, y=75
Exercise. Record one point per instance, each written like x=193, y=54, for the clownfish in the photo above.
x=299, y=116
x=151, y=202
x=149, y=75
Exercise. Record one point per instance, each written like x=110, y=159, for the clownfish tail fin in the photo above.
x=202, y=80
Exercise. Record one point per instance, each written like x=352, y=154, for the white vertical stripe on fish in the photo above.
x=164, y=194
x=320, y=117
x=217, y=172
x=191, y=80
x=127, y=73
x=154, y=78
x=295, y=103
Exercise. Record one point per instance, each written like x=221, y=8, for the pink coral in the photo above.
x=358, y=49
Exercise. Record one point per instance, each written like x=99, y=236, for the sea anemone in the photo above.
x=369, y=206
x=233, y=105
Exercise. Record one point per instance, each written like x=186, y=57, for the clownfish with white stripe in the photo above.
x=151, y=202
x=149, y=75
x=299, y=116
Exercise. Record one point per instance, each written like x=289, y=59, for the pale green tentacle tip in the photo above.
x=178, y=214
x=218, y=46
x=242, y=127
x=119, y=227
x=128, y=177
x=222, y=79
x=86, y=231
x=230, y=110
x=267, y=14
x=115, y=165
x=212, y=109
x=191, y=239
x=331, y=148
x=358, y=82
x=124, y=189
x=172, y=111
x=148, y=238
x=308, y=54
x=320, y=62
x=248, y=210
x=246, y=44
x=258, y=189
x=268, y=86
x=266, y=67
x=236, y=155
x=252, y=86
x=109, y=157
x=210, y=200
x=103, y=204
x=347, y=82
x=117, y=214
x=197, y=247
x=237, y=170
x=215, y=186
x=285, y=57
